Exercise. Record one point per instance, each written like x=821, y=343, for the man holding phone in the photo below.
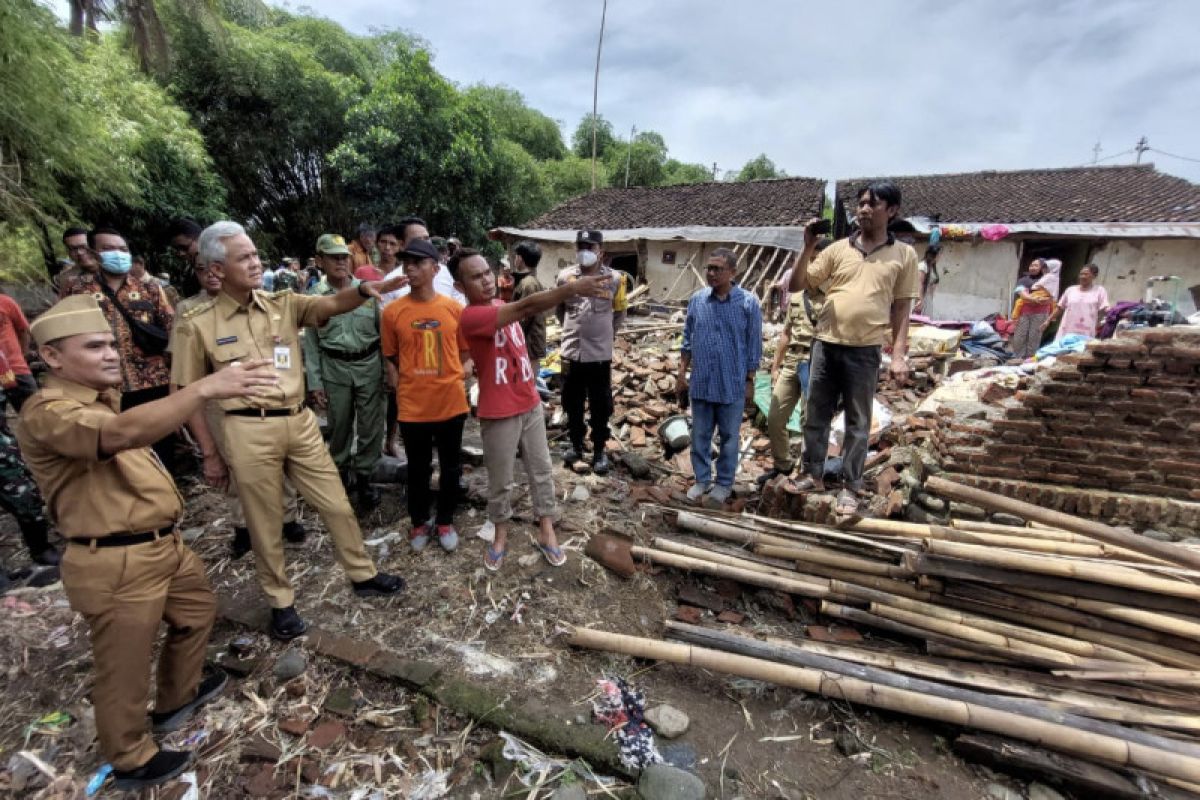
x=872, y=280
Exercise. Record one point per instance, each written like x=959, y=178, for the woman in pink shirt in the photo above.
x=1081, y=306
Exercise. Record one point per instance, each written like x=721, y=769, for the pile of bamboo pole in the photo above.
x=1069, y=634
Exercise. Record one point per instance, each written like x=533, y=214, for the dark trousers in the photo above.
x=420, y=438
x=589, y=382
x=850, y=374
x=164, y=448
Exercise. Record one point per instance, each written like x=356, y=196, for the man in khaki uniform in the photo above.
x=125, y=569
x=274, y=434
x=208, y=426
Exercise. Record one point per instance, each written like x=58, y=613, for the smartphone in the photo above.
x=822, y=227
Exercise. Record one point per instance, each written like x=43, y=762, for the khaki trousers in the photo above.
x=501, y=439
x=785, y=395
x=262, y=450
x=124, y=593
x=237, y=518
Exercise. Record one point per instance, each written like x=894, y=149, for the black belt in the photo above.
x=124, y=539
x=265, y=412
x=341, y=355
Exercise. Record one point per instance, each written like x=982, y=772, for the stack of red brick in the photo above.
x=1112, y=433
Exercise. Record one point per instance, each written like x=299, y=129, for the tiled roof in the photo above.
x=780, y=201
x=1081, y=194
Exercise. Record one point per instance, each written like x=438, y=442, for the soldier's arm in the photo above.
x=348, y=299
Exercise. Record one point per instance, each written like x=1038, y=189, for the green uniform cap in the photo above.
x=330, y=244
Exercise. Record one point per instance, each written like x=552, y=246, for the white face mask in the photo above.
x=586, y=258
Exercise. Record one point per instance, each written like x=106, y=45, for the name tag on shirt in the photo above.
x=283, y=358
x=227, y=340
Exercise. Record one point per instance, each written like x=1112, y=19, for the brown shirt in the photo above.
x=861, y=289
x=88, y=493
x=800, y=327
x=213, y=335
x=146, y=301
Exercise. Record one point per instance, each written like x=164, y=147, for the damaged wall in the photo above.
x=1111, y=433
x=977, y=279
x=1125, y=264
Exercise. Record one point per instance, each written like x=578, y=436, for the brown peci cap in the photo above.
x=79, y=313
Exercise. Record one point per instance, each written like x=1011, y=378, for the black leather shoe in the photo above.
x=572, y=454
x=162, y=767
x=294, y=532
x=381, y=585
x=286, y=623
x=48, y=557
x=240, y=544
x=601, y=465
x=211, y=683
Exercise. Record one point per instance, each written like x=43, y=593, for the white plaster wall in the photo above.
x=674, y=282
x=1125, y=264
x=977, y=279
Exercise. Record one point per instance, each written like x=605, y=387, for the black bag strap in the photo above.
x=112, y=296
x=808, y=308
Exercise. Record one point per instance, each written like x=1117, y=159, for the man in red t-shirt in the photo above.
x=510, y=411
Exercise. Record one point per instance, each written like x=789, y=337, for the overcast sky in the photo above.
x=840, y=90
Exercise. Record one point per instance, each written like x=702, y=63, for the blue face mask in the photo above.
x=116, y=262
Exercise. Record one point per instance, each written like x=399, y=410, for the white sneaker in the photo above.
x=697, y=491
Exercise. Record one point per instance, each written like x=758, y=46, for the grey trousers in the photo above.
x=850, y=374
x=501, y=439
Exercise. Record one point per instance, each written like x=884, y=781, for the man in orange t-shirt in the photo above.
x=422, y=345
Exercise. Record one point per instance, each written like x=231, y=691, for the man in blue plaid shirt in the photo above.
x=722, y=343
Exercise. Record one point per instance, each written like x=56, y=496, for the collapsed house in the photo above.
x=663, y=235
x=1132, y=222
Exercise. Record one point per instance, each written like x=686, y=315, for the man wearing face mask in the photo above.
x=140, y=317
x=588, y=327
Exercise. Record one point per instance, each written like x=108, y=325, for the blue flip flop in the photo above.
x=494, y=559
x=554, y=555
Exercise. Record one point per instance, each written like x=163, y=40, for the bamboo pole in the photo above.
x=1015, y=530
x=1111, y=575
x=752, y=577
x=1166, y=677
x=718, y=529
x=892, y=587
x=1035, y=612
x=971, y=633
x=1155, y=653
x=833, y=558
x=784, y=653
x=1096, y=530
x=926, y=564
x=679, y=548
x=1160, y=621
x=978, y=676
x=1085, y=744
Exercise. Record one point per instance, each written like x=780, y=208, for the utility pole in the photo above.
x=714, y=170
x=596, y=90
x=1142, y=146
x=629, y=153
x=1096, y=152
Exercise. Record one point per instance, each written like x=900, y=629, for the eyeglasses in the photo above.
x=714, y=268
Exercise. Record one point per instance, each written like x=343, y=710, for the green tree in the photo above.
x=760, y=168
x=517, y=122
x=522, y=190
x=570, y=177
x=581, y=141
x=415, y=143
x=270, y=114
x=644, y=159
x=679, y=172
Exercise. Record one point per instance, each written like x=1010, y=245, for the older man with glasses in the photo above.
x=722, y=342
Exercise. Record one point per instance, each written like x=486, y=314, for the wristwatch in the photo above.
x=361, y=293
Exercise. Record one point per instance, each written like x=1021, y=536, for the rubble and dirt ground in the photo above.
x=749, y=739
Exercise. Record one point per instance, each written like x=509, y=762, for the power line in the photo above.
x=1108, y=158
x=1172, y=155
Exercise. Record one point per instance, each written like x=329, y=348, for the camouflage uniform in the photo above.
x=19, y=495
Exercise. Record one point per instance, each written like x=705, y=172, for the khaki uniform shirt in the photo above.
x=861, y=289
x=215, y=334
x=800, y=328
x=185, y=305
x=91, y=494
x=590, y=323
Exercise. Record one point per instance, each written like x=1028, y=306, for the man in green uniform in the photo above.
x=345, y=374
x=274, y=434
x=790, y=373
x=208, y=426
x=125, y=568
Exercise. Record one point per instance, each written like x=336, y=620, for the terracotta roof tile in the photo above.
x=1081, y=194
x=781, y=201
